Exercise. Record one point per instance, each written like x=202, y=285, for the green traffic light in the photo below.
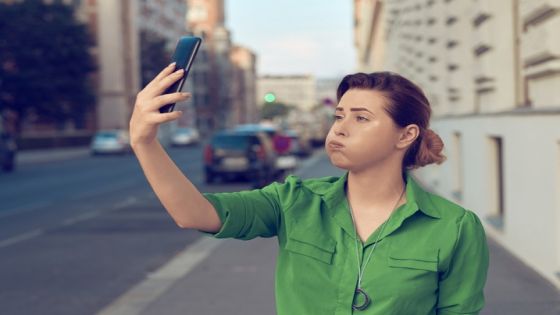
x=269, y=97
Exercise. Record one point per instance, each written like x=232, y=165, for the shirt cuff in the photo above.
x=232, y=222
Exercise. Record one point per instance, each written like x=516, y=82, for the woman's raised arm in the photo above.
x=186, y=205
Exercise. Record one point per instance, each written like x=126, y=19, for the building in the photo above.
x=165, y=20
x=491, y=71
x=114, y=26
x=206, y=18
x=291, y=90
x=243, y=85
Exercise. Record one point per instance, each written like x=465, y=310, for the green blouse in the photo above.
x=432, y=257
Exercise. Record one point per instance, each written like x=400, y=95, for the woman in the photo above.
x=371, y=241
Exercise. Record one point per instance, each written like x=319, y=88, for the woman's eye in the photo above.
x=361, y=118
x=337, y=117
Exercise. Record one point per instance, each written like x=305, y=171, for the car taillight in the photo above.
x=208, y=154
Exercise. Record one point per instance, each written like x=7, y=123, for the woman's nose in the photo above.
x=339, y=129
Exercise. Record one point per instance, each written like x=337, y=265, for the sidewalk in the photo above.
x=30, y=157
x=237, y=277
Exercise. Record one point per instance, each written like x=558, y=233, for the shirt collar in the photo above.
x=417, y=197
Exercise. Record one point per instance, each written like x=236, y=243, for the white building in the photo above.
x=491, y=70
x=292, y=90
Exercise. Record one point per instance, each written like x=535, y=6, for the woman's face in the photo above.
x=363, y=134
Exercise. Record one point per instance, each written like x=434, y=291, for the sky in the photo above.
x=295, y=36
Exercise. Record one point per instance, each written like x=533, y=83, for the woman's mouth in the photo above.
x=335, y=145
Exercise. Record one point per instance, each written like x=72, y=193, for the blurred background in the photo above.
x=81, y=232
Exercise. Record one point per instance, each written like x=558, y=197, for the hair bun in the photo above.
x=430, y=150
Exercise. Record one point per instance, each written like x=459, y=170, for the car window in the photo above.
x=106, y=135
x=233, y=141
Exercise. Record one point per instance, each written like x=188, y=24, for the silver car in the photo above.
x=110, y=142
x=185, y=136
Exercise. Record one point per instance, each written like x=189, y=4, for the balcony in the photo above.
x=537, y=11
x=540, y=44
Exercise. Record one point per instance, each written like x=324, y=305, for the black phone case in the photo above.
x=186, y=50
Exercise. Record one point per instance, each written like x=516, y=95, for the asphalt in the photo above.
x=237, y=277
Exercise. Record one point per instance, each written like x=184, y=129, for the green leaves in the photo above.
x=45, y=63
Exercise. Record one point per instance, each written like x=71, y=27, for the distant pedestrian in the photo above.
x=372, y=241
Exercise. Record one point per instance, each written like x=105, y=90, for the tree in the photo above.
x=154, y=55
x=45, y=64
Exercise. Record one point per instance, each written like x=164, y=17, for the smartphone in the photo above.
x=186, y=49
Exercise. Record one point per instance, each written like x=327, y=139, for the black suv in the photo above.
x=7, y=152
x=249, y=154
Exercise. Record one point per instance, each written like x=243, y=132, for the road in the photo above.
x=75, y=234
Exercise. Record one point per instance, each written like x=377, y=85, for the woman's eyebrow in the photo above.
x=354, y=109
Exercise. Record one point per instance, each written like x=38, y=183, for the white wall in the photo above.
x=531, y=166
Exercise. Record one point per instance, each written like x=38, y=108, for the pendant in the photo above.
x=359, y=292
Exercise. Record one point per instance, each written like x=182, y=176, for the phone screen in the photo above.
x=184, y=55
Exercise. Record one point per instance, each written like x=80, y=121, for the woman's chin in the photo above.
x=338, y=161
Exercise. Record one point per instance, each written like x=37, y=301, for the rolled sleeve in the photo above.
x=254, y=213
x=461, y=287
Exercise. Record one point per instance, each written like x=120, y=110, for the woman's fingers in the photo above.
x=165, y=99
x=161, y=81
x=157, y=118
x=165, y=72
x=160, y=86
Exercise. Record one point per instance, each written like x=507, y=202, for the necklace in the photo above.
x=359, y=291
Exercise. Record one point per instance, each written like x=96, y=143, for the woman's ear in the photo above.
x=407, y=136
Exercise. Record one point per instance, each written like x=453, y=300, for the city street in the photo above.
x=75, y=234
x=96, y=241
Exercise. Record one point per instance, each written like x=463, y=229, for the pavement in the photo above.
x=31, y=157
x=214, y=276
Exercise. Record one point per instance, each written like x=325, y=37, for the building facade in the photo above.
x=491, y=70
x=206, y=18
x=114, y=25
x=243, y=85
x=165, y=20
x=292, y=90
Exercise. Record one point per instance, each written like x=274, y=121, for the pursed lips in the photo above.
x=335, y=145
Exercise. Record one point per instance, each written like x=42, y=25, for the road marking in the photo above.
x=24, y=209
x=156, y=284
x=21, y=237
x=34, y=233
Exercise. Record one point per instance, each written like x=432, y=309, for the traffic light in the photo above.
x=269, y=97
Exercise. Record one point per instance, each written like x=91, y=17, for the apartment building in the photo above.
x=491, y=70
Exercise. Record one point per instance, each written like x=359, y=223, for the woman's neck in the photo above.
x=375, y=187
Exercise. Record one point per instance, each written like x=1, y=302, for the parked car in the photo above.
x=184, y=136
x=7, y=152
x=269, y=130
x=110, y=142
x=231, y=153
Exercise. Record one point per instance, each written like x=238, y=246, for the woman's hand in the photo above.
x=146, y=117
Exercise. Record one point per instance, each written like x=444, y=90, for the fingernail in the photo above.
x=172, y=64
x=185, y=94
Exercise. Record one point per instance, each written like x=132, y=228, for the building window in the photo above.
x=496, y=182
x=558, y=209
x=457, y=156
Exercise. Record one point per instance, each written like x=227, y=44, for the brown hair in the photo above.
x=407, y=104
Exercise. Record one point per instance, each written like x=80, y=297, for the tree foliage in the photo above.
x=45, y=63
